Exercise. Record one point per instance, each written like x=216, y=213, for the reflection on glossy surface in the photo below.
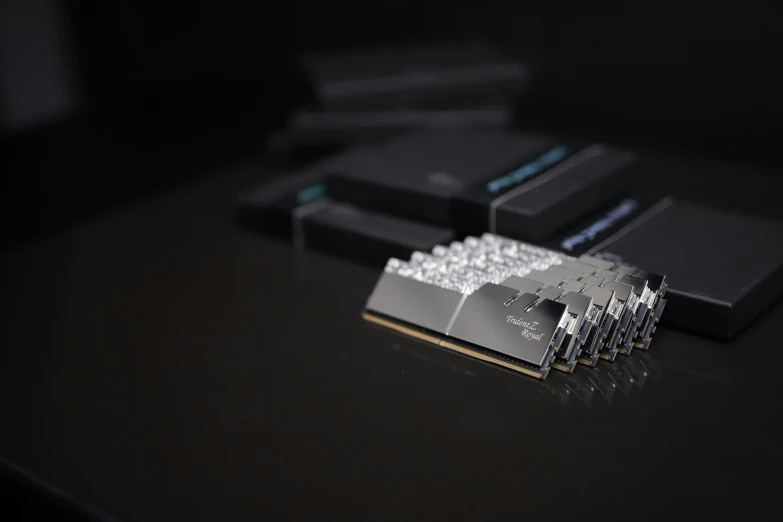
x=626, y=377
x=417, y=352
x=618, y=383
x=160, y=358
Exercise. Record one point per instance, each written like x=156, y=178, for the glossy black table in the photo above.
x=159, y=363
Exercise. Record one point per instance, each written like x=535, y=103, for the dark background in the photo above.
x=105, y=102
x=94, y=91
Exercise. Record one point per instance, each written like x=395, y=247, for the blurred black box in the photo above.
x=296, y=207
x=307, y=128
x=723, y=269
x=431, y=76
x=525, y=186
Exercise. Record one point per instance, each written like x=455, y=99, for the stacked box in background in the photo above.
x=366, y=97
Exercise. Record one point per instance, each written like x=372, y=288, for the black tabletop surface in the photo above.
x=159, y=363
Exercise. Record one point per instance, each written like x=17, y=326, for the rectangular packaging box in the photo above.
x=723, y=269
x=298, y=208
x=523, y=186
x=309, y=128
x=424, y=76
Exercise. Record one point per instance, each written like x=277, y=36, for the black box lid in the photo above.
x=724, y=269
